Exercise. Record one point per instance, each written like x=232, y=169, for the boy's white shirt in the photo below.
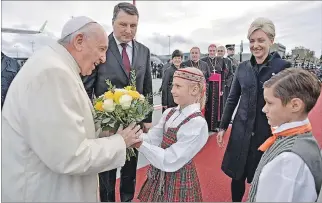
x=190, y=140
x=286, y=178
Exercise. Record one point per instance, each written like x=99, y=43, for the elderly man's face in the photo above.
x=221, y=52
x=94, y=51
x=125, y=26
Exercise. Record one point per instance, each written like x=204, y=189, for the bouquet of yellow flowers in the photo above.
x=121, y=107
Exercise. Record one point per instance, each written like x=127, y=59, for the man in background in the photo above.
x=210, y=59
x=197, y=63
x=230, y=55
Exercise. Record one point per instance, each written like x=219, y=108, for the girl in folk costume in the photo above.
x=171, y=145
x=290, y=168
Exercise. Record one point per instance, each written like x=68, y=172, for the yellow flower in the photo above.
x=134, y=94
x=109, y=95
x=99, y=106
x=117, y=95
x=128, y=88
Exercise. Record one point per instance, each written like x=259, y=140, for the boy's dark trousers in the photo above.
x=107, y=182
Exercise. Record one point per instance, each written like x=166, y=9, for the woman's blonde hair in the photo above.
x=264, y=24
x=201, y=83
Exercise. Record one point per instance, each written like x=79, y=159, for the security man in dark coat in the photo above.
x=231, y=65
x=230, y=55
x=9, y=70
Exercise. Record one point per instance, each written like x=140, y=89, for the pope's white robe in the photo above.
x=50, y=151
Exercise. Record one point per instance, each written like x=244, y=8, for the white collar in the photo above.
x=119, y=43
x=188, y=110
x=66, y=55
x=290, y=125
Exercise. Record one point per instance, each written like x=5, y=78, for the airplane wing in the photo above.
x=43, y=27
x=21, y=31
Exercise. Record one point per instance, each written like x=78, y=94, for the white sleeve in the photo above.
x=56, y=131
x=286, y=179
x=191, y=139
x=155, y=134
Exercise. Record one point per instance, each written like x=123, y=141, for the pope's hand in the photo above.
x=137, y=145
x=131, y=134
x=106, y=133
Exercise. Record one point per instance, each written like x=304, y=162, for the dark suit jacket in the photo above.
x=9, y=70
x=114, y=70
x=201, y=65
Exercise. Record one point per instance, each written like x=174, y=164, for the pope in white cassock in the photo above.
x=51, y=150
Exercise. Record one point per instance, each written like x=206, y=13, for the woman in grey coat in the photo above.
x=250, y=126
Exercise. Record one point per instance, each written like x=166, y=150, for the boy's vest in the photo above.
x=304, y=146
x=320, y=195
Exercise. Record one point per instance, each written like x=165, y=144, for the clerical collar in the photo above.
x=119, y=43
x=66, y=55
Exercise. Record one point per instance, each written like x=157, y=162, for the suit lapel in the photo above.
x=135, y=53
x=115, y=51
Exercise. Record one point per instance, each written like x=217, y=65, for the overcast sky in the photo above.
x=189, y=23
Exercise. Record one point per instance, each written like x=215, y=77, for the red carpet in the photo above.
x=215, y=184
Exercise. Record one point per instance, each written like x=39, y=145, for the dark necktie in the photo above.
x=125, y=58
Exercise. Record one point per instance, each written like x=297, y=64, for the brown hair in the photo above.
x=296, y=83
x=195, y=48
x=212, y=45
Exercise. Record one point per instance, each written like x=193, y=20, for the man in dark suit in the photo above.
x=197, y=63
x=123, y=54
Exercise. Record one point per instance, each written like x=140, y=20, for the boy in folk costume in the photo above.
x=290, y=168
x=171, y=145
